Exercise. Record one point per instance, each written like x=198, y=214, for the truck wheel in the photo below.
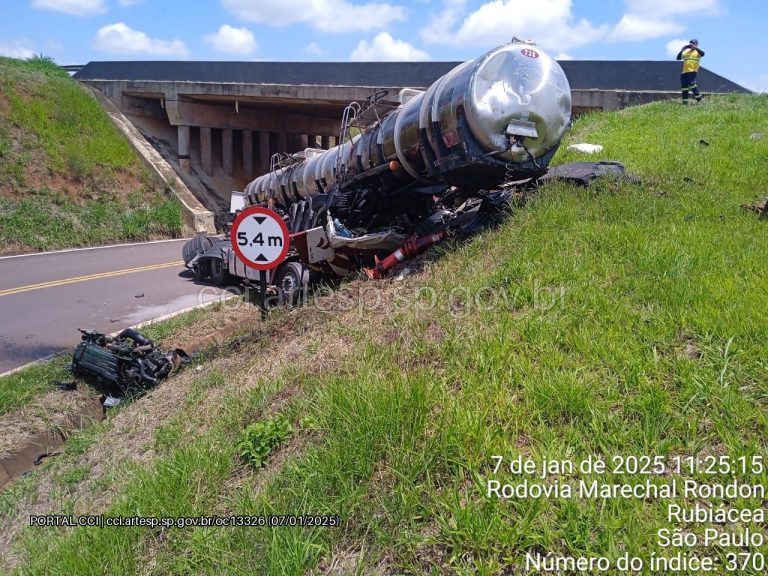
x=291, y=280
x=218, y=274
x=202, y=270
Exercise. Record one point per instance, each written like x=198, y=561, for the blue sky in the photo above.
x=79, y=31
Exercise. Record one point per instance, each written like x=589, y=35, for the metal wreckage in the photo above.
x=443, y=161
x=405, y=177
x=124, y=364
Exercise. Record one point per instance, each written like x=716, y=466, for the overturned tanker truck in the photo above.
x=402, y=181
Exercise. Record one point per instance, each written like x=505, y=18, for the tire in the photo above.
x=218, y=274
x=202, y=269
x=291, y=280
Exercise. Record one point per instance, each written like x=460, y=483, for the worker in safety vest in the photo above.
x=691, y=55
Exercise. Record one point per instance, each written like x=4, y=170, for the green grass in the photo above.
x=75, y=133
x=160, y=331
x=20, y=388
x=67, y=223
x=619, y=319
x=67, y=176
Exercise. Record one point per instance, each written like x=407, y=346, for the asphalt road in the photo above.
x=45, y=298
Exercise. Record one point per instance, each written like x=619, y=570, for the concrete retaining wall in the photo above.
x=196, y=217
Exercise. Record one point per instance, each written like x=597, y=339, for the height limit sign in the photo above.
x=260, y=238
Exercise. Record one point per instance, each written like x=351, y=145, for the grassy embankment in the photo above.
x=67, y=176
x=619, y=319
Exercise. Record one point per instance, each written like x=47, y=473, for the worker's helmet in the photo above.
x=694, y=41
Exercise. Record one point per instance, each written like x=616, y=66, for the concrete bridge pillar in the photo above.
x=325, y=141
x=206, y=151
x=264, y=151
x=282, y=142
x=227, y=160
x=303, y=141
x=248, y=153
x=183, y=135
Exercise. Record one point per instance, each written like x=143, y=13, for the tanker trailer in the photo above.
x=496, y=119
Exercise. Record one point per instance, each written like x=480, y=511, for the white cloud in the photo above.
x=632, y=28
x=384, y=48
x=323, y=15
x=121, y=39
x=673, y=46
x=313, y=49
x=230, y=40
x=16, y=49
x=130, y=2
x=73, y=7
x=440, y=24
x=660, y=8
x=647, y=19
x=563, y=56
x=550, y=23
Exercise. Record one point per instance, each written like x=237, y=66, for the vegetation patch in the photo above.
x=67, y=176
x=259, y=439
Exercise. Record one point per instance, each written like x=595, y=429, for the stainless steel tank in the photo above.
x=348, y=159
x=284, y=182
x=329, y=166
x=407, y=141
x=515, y=87
x=505, y=111
x=310, y=172
x=297, y=180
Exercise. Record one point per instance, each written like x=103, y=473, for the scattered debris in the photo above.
x=43, y=456
x=584, y=173
x=129, y=361
x=141, y=295
x=403, y=274
x=703, y=142
x=111, y=402
x=760, y=207
x=410, y=248
x=756, y=136
x=586, y=148
x=65, y=386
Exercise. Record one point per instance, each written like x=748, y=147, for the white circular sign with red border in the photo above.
x=260, y=238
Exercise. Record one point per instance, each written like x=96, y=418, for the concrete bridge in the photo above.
x=216, y=124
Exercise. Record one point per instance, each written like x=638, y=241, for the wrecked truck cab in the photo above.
x=212, y=258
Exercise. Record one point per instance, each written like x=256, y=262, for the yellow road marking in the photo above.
x=76, y=279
